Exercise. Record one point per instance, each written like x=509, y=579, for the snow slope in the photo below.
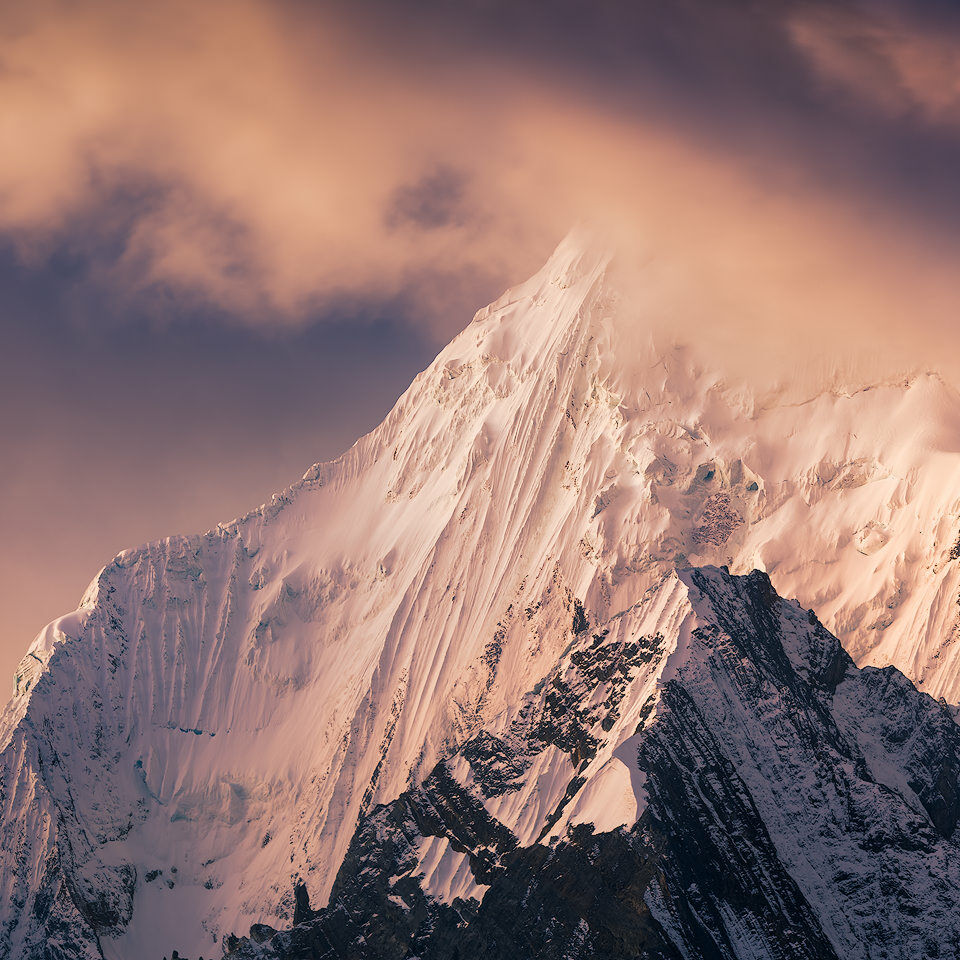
x=211, y=723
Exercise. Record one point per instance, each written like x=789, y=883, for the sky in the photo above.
x=231, y=232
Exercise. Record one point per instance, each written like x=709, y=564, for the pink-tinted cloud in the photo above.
x=280, y=159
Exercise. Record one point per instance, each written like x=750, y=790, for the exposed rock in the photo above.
x=775, y=826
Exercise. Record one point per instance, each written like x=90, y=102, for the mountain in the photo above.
x=201, y=745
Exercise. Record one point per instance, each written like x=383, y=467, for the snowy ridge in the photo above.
x=248, y=695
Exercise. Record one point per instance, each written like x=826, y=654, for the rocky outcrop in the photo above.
x=794, y=807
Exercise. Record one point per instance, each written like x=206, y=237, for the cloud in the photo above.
x=433, y=200
x=267, y=161
x=886, y=60
x=277, y=161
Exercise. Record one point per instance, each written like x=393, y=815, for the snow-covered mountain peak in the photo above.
x=250, y=693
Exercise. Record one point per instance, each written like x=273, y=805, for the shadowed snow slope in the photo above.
x=213, y=721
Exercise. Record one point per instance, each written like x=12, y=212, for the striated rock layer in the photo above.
x=212, y=724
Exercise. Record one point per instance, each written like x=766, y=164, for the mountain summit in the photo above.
x=489, y=597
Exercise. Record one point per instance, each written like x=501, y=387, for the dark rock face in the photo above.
x=717, y=858
x=560, y=713
x=885, y=712
x=796, y=807
x=301, y=910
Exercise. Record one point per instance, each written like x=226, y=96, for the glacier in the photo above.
x=201, y=738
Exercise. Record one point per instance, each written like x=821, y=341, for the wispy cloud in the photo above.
x=884, y=59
